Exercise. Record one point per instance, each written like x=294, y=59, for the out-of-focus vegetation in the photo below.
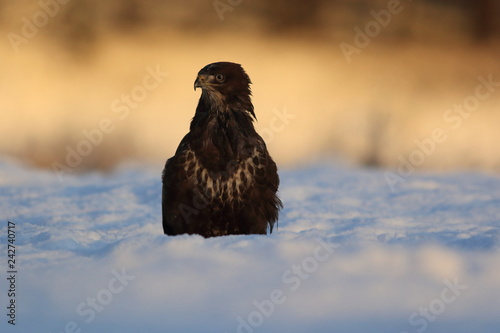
x=80, y=23
x=321, y=87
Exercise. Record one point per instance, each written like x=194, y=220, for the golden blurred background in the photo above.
x=88, y=84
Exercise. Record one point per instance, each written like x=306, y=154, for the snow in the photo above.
x=350, y=254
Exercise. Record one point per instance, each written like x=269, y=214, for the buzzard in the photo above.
x=221, y=180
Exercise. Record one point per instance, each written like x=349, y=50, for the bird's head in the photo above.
x=225, y=83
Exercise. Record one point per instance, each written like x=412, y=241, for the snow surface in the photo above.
x=349, y=255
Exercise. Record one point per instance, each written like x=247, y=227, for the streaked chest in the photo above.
x=229, y=184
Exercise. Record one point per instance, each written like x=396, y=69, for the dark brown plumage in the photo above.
x=221, y=180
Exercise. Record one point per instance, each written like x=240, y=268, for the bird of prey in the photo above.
x=221, y=180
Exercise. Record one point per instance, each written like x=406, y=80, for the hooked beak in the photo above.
x=201, y=81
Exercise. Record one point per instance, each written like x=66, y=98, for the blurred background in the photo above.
x=89, y=84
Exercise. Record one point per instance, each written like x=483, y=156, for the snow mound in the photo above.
x=350, y=254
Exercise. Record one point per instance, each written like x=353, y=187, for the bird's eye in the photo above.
x=220, y=77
